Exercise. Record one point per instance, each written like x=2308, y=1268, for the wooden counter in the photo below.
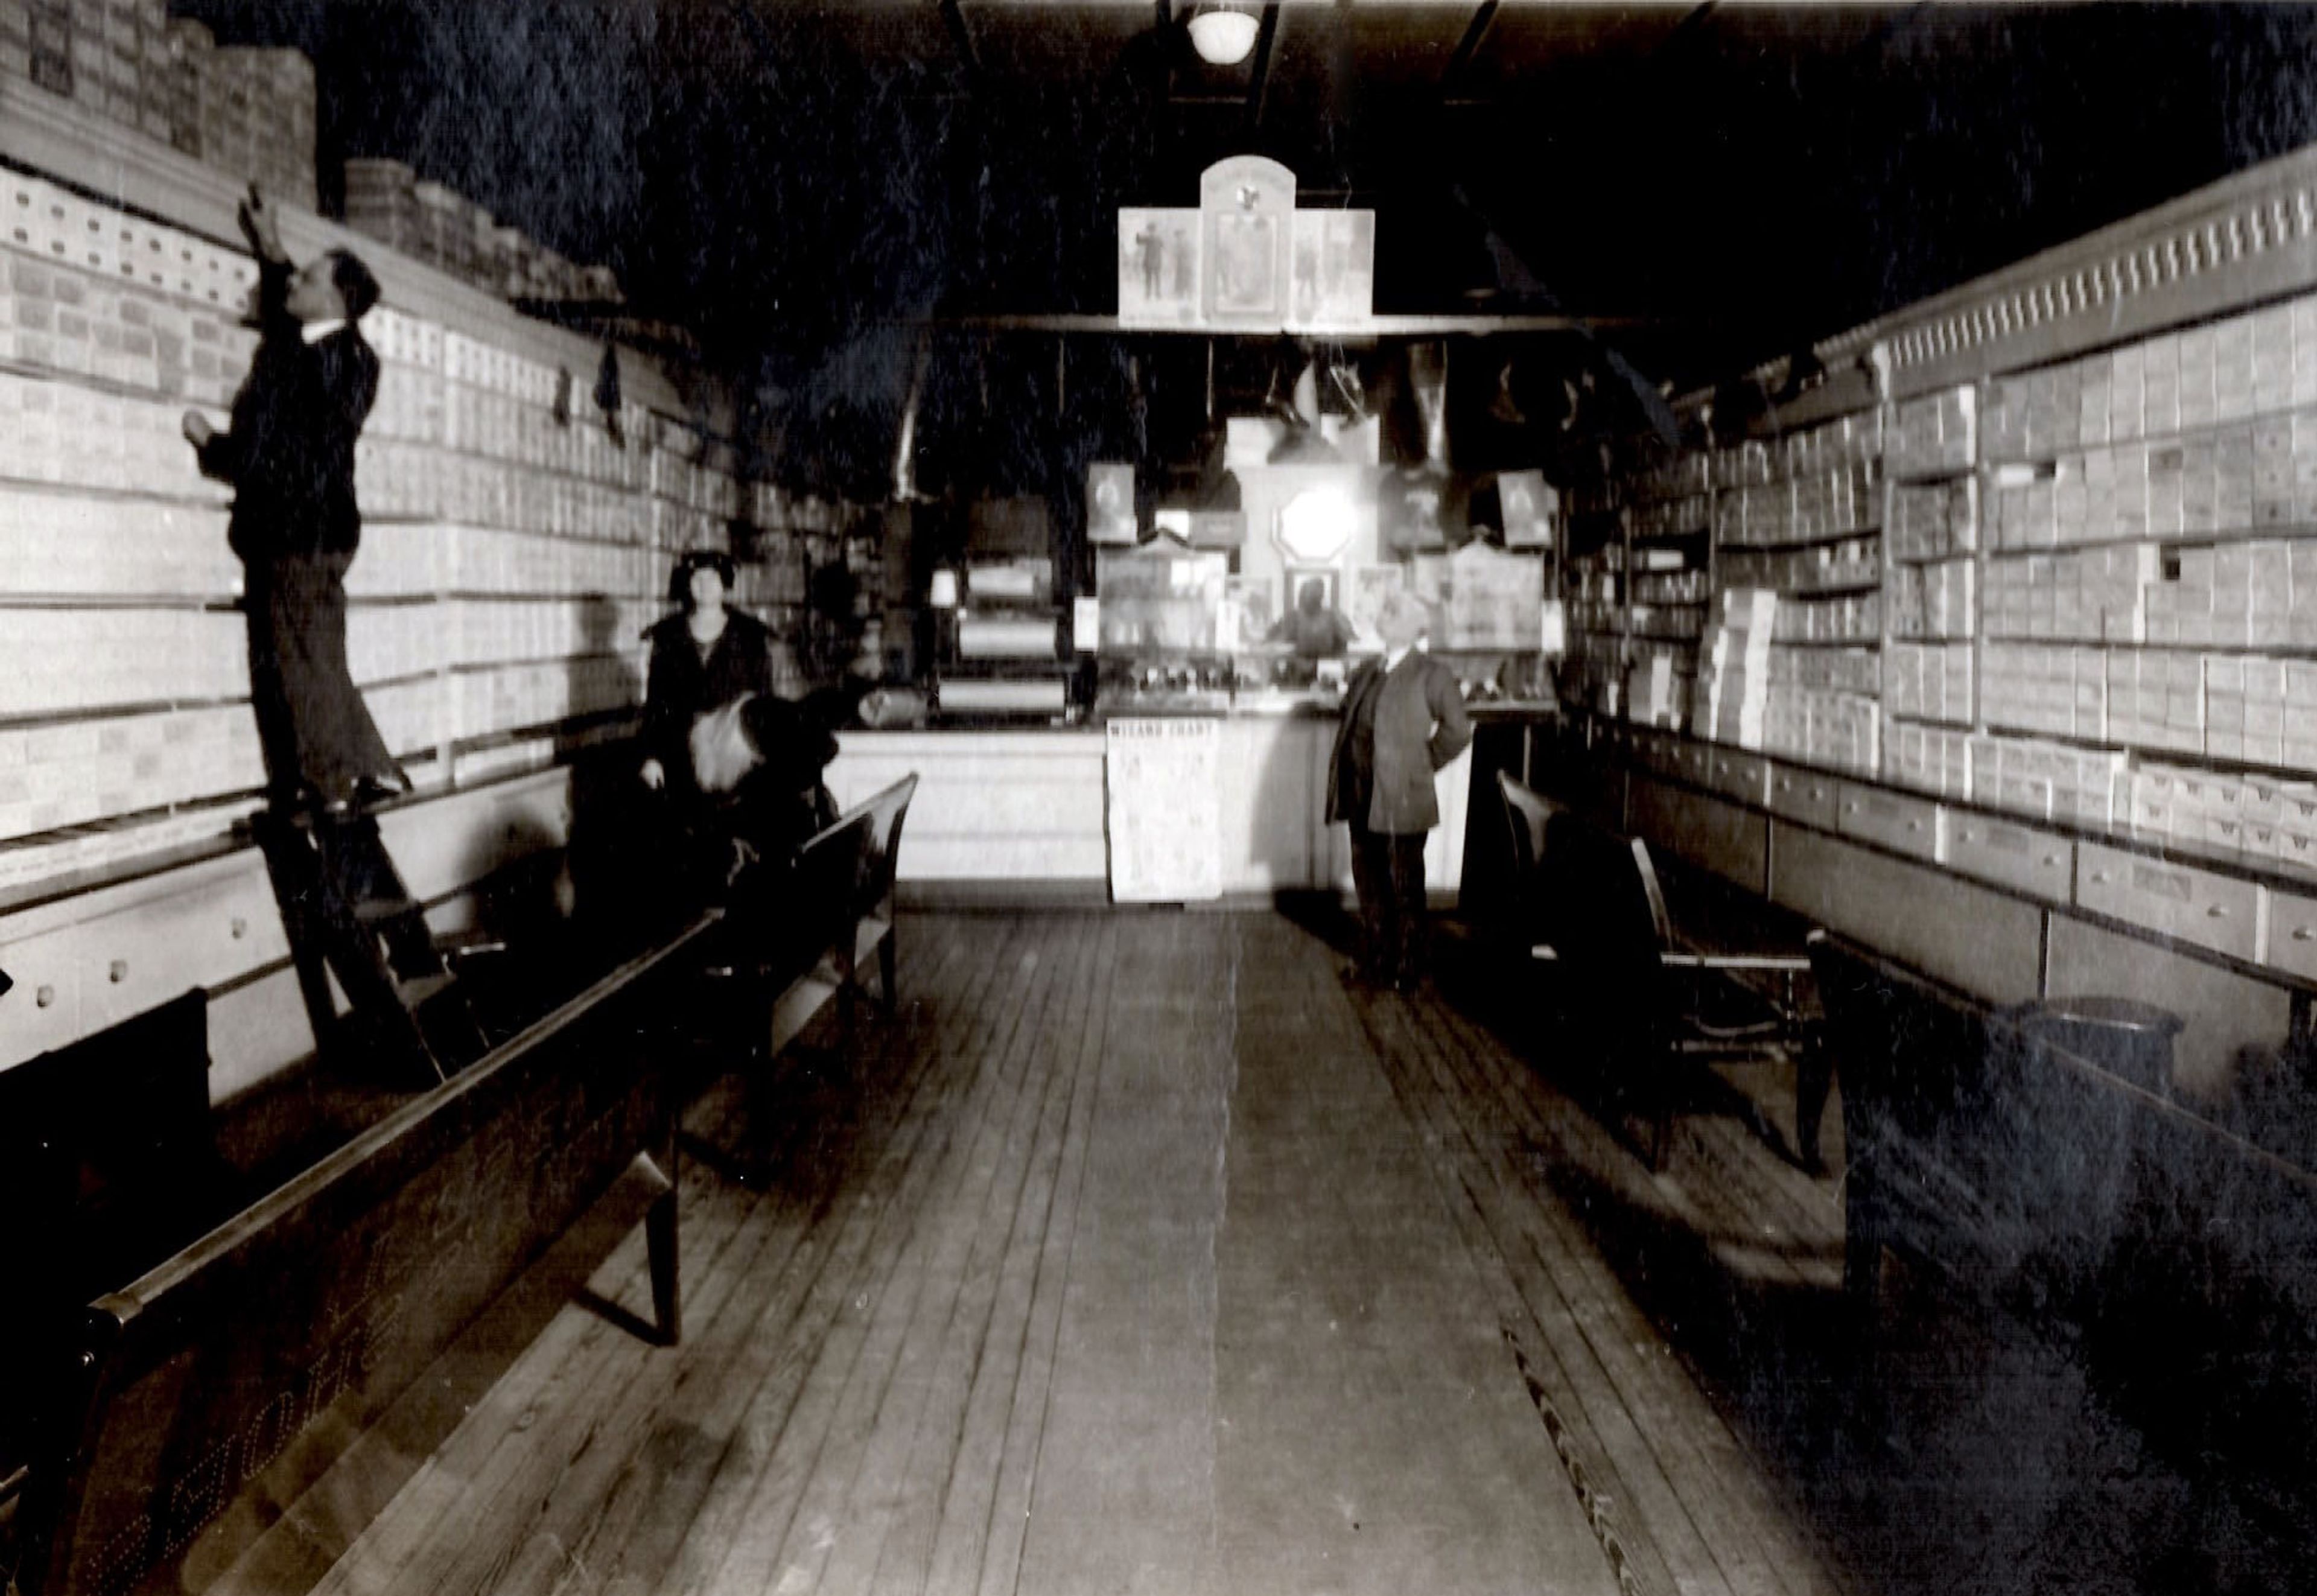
x=1019, y=817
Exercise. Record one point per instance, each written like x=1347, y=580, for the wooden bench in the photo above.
x=108, y=1165
x=332, y=1293
x=2171, y=1242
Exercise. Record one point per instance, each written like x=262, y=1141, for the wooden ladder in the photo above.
x=347, y=913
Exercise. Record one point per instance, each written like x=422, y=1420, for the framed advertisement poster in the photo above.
x=1369, y=585
x=1332, y=278
x=1247, y=207
x=1110, y=503
x=1158, y=267
x=1254, y=606
x=1528, y=506
x=1162, y=781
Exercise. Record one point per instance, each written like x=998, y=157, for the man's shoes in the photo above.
x=371, y=791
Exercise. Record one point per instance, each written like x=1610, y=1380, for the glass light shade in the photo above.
x=1222, y=37
x=1316, y=526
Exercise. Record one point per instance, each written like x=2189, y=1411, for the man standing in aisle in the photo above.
x=1403, y=719
x=289, y=456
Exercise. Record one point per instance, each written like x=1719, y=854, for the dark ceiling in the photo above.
x=788, y=177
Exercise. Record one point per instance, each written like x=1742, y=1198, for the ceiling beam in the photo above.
x=1258, y=82
x=961, y=36
x=1476, y=33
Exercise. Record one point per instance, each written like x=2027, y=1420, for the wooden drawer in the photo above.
x=1808, y=796
x=1691, y=761
x=2012, y=856
x=1706, y=831
x=212, y=933
x=1904, y=825
x=2292, y=934
x=42, y=1009
x=2194, y=906
x=1740, y=775
x=1651, y=751
x=1988, y=943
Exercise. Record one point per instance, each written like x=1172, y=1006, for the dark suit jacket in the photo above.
x=683, y=686
x=289, y=451
x=1420, y=725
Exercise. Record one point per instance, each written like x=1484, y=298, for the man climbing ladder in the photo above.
x=289, y=455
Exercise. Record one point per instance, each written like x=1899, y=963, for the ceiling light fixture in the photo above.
x=1222, y=34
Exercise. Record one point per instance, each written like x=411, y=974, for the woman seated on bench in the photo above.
x=758, y=760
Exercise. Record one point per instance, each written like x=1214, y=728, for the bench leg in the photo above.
x=659, y=1244
x=1813, y=1084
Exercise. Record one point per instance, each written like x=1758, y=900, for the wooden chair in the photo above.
x=1527, y=815
x=1638, y=996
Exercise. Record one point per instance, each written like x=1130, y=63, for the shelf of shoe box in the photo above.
x=106, y=57
x=382, y=202
x=2174, y=481
x=244, y=111
x=149, y=470
x=1802, y=517
x=213, y=743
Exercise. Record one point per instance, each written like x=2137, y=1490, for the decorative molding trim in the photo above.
x=2247, y=239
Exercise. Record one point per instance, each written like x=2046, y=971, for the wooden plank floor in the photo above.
x=1136, y=1253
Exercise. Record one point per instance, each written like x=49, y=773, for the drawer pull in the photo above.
x=2216, y=912
x=2100, y=876
x=2304, y=934
x=1914, y=825
x=2052, y=860
x=117, y=972
x=1818, y=791
x=240, y=928
x=1851, y=807
x=46, y=997
x=1969, y=836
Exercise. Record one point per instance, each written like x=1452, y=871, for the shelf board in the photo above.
x=2281, y=533
x=1825, y=642
x=1850, y=535
x=210, y=502
x=2289, y=651
x=2161, y=440
x=221, y=602
x=1832, y=590
x=1939, y=559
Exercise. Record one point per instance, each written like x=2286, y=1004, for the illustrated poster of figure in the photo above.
x=1158, y=267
